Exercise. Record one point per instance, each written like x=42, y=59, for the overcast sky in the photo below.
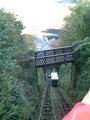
x=36, y=14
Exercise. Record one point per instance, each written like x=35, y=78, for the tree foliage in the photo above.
x=83, y=68
x=17, y=98
x=77, y=32
x=82, y=50
x=29, y=39
x=77, y=25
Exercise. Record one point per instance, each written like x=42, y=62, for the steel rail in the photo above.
x=66, y=104
x=45, y=111
x=60, y=103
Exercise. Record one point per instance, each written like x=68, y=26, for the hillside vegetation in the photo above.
x=19, y=90
x=76, y=32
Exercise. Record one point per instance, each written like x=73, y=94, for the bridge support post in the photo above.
x=57, y=68
x=73, y=75
x=44, y=70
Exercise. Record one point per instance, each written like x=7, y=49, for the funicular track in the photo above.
x=46, y=110
x=54, y=104
x=60, y=103
x=66, y=104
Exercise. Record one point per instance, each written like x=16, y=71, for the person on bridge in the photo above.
x=81, y=111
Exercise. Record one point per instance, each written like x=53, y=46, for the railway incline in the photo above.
x=54, y=104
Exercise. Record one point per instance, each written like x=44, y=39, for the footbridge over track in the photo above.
x=56, y=56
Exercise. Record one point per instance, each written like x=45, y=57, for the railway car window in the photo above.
x=54, y=75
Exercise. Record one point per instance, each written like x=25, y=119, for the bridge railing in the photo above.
x=54, y=59
x=55, y=51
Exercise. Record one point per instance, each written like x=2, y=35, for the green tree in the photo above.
x=29, y=39
x=77, y=25
x=19, y=89
x=13, y=103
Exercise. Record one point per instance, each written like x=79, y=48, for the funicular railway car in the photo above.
x=54, y=79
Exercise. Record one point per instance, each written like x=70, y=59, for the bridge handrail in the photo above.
x=63, y=54
x=54, y=51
